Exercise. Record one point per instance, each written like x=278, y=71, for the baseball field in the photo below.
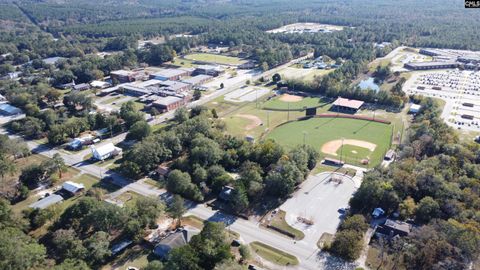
x=351, y=140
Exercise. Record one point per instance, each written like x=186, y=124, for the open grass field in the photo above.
x=278, y=103
x=273, y=255
x=304, y=74
x=279, y=222
x=214, y=58
x=319, y=131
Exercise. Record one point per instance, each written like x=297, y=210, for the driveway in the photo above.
x=318, y=200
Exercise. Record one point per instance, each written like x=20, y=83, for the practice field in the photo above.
x=215, y=58
x=293, y=102
x=361, y=139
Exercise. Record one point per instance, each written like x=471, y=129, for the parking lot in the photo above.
x=459, y=89
x=319, y=201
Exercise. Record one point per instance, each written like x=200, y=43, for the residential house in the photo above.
x=72, y=187
x=175, y=240
x=81, y=87
x=9, y=110
x=46, y=202
x=393, y=228
x=105, y=151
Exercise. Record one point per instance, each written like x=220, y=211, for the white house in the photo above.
x=105, y=151
x=73, y=187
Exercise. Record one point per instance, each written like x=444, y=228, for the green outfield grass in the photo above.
x=319, y=131
x=214, y=58
x=309, y=102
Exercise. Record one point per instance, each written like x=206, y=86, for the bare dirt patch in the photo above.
x=290, y=98
x=332, y=147
x=255, y=121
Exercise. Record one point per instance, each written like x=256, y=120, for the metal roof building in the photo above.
x=72, y=187
x=47, y=201
x=7, y=109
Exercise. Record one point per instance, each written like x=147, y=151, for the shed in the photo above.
x=46, y=202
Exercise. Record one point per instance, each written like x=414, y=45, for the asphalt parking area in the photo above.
x=318, y=200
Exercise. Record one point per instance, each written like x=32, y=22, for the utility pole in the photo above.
x=304, y=137
x=268, y=119
x=341, y=152
x=374, y=108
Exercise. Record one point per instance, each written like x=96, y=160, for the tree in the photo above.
x=57, y=164
x=97, y=247
x=72, y=264
x=19, y=251
x=67, y=245
x=154, y=265
x=181, y=115
x=347, y=245
x=139, y=130
x=265, y=66
x=211, y=245
x=176, y=209
x=427, y=209
x=276, y=78
x=407, y=208
x=182, y=258
x=197, y=94
x=239, y=199
x=180, y=183
x=148, y=209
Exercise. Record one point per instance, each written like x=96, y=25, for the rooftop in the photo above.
x=167, y=73
x=104, y=149
x=165, y=101
x=72, y=187
x=398, y=225
x=349, y=103
x=431, y=63
x=174, y=240
x=9, y=108
x=47, y=201
x=197, y=79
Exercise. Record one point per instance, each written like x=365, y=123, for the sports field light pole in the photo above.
x=304, y=137
x=341, y=151
x=268, y=119
x=374, y=108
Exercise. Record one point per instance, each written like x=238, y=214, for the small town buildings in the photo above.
x=346, y=105
x=198, y=80
x=9, y=110
x=414, y=108
x=105, y=151
x=430, y=65
x=209, y=70
x=177, y=239
x=168, y=103
x=226, y=193
x=52, y=60
x=390, y=155
x=123, y=76
x=46, y=202
x=72, y=187
x=100, y=84
x=393, y=228
x=81, y=87
x=378, y=212
x=169, y=74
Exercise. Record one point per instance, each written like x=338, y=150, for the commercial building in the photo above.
x=100, y=84
x=9, y=110
x=430, y=65
x=208, y=70
x=346, y=105
x=168, y=103
x=198, y=80
x=123, y=76
x=170, y=74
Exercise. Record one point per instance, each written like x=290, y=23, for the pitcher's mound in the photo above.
x=290, y=98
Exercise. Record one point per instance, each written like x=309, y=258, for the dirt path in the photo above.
x=255, y=121
x=332, y=147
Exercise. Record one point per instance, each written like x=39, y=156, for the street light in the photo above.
x=341, y=151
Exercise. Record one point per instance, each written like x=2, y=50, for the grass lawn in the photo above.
x=318, y=131
x=374, y=260
x=87, y=180
x=185, y=63
x=309, y=102
x=304, y=74
x=279, y=222
x=214, y=58
x=137, y=256
x=273, y=255
x=154, y=183
x=128, y=197
x=112, y=99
